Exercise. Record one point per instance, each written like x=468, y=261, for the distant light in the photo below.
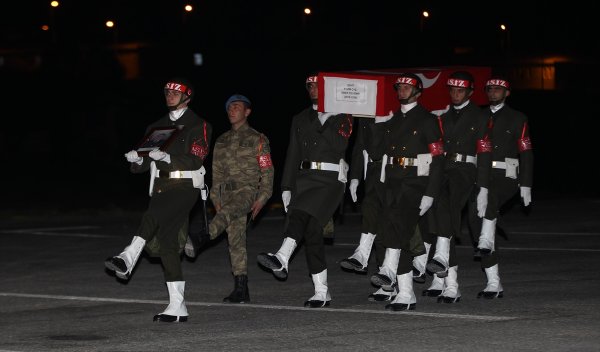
x=198, y=60
x=425, y=14
x=54, y=3
x=502, y=27
x=110, y=24
x=307, y=11
x=188, y=8
x=45, y=27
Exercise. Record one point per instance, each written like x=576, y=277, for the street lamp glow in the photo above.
x=425, y=14
x=54, y=3
x=307, y=11
x=188, y=8
x=503, y=27
x=45, y=27
x=110, y=24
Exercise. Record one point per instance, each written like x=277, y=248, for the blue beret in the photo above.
x=237, y=97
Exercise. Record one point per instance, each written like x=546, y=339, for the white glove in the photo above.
x=526, y=195
x=379, y=119
x=286, y=196
x=159, y=155
x=353, y=186
x=133, y=157
x=426, y=203
x=482, y=201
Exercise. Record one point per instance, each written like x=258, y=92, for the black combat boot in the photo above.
x=240, y=293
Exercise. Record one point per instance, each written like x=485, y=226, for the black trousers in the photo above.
x=303, y=226
x=371, y=211
x=167, y=213
x=502, y=189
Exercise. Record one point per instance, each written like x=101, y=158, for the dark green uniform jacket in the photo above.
x=316, y=192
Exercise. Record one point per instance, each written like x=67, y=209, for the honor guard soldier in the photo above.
x=242, y=183
x=412, y=169
x=512, y=171
x=366, y=164
x=465, y=132
x=313, y=184
x=176, y=176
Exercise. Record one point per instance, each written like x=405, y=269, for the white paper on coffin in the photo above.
x=350, y=96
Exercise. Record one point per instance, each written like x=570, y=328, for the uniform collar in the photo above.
x=495, y=108
x=407, y=107
x=176, y=114
x=459, y=107
x=242, y=128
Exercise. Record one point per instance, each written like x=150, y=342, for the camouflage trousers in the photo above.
x=232, y=218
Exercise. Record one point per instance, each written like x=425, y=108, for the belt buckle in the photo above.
x=175, y=174
x=494, y=163
x=318, y=164
x=402, y=162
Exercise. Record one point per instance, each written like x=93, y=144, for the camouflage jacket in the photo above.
x=242, y=158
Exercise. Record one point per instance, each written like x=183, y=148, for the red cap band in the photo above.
x=497, y=82
x=407, y=80
x=311, y=79
x=461, y=83
x=178, y=87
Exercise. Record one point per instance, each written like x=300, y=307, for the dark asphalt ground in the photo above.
x=56, y=296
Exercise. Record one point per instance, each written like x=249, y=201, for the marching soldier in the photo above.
x=313, y=184
x=412, y=167
x=512, y=171
x=176, y=176
x=242, y=183
x=366, y=165
x=464, y=129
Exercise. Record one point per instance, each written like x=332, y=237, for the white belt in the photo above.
x=319, y=165
x=176, y=174
x=498, y=164
x=463, y=158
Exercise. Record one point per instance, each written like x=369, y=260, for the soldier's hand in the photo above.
x=482, y=201
x=286, y=196
x=526, y=195
x=353, y=186
x=426, y=203
x=159, y=155
x=133, y=157
x=256, y=208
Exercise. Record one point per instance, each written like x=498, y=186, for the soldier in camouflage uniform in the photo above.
x=242, y=183
x=313, y=185
x=174, y=187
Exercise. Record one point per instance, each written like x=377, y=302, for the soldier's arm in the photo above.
x=218, y=173
x=525, y=154
x=357, y=163
x=435, y=146
x=337, y=130
x=292, y=160
x=267, y=171
x=484, y=151
x=197, y=146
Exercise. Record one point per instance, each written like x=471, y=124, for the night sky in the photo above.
x=68, y=105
